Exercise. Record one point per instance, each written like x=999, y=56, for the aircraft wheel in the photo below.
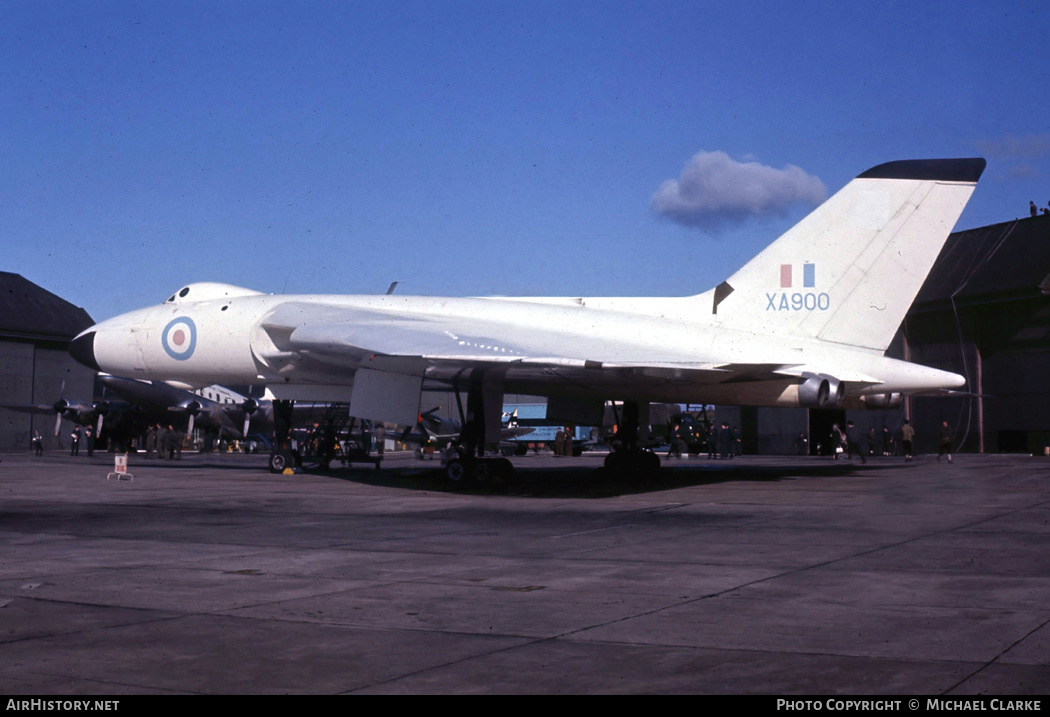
x=278, y=462
x=457, y=470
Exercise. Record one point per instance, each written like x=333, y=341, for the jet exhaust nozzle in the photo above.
x=821, y=391
x=882, y=401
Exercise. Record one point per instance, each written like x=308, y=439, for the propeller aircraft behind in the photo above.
x=806, y=323
x=140, y=404
x=164, y=403
x=433, y=428
x=81, y=413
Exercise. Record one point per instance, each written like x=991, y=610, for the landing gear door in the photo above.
x=382, y=396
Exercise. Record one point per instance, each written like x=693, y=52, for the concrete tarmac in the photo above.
x=758, y=575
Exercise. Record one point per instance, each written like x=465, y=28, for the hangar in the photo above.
x=984, y=313
x=35, y=367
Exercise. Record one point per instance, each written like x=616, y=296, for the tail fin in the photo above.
x=849, y=271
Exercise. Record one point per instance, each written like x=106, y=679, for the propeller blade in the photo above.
x=98, y=428
x=190, y=428
x=60, y=406
x=247, y=420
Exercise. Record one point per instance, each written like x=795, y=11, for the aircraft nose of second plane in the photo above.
x=82, y=348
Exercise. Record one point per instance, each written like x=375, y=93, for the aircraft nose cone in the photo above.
x=82, y=348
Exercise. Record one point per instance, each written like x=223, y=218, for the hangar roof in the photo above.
x=28, y=312
x=1000, y=261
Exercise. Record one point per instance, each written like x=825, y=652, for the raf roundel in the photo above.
x=179, y=338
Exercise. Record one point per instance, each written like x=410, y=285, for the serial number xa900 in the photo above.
x=798, y=301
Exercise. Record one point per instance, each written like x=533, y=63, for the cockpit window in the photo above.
x=208, y=291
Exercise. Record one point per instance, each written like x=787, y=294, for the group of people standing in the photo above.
x=848, y=441
x=165, y=441
x=723, y=441
x=89, y=439
x=563, y=442
x=87, y=435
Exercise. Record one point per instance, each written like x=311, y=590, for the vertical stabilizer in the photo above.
x=849, y=271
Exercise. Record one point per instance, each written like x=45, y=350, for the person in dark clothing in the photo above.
x=673, y=446
x=74, y=449
x=838, y=438
x=164, y=442
x=907, y=439
x=853, y=442
x=179, y=437
x=944, y=441
x=151, y=440
x=723, y=440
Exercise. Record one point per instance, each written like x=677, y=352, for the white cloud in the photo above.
x=715, y=189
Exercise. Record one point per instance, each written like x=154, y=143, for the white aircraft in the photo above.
x=805, y=323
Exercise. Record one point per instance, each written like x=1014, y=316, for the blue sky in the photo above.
x=474, y=148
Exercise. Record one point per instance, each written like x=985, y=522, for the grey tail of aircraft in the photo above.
x=850, y=270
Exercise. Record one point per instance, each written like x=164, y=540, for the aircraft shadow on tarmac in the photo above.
x=585, y=481
x=560, y=481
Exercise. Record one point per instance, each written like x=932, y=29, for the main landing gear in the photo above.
x=484, y=410
x=478, y=469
